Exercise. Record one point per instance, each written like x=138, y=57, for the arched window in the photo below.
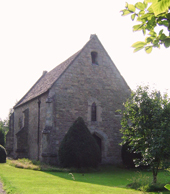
x=93, y=112
x=94, y=58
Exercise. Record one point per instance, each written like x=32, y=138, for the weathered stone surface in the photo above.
x=79, y=85
x=10, y=136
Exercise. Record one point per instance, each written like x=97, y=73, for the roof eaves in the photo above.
x=20, y=101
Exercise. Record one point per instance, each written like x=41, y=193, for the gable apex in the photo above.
x=46, y=81
x=93, y=36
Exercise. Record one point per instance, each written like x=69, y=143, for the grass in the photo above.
x=107, y=180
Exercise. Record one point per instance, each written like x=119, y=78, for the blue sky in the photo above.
x=37, y=35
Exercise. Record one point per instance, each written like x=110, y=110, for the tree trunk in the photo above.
x=154, y=178
x=155, y=172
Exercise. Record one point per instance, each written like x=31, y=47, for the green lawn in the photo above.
x=107, y=180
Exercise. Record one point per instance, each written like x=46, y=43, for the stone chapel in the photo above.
x=88, y=85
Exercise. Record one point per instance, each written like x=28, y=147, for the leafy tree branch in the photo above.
x=150, y=14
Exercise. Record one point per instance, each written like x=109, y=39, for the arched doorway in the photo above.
x=99, y=142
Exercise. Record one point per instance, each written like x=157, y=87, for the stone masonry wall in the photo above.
x=10, y=136
x=82, y=84
x=32, y=106
x=71, y=96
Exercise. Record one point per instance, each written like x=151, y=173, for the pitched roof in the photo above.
x=46, y=81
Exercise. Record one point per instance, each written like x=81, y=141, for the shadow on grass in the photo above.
x=111, y=176
x=105, y=175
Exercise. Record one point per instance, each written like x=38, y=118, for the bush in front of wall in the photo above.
x=2, y=137
x=78, y=148
x=2, y=154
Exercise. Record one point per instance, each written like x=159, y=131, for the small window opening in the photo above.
x=93, y=112
x=94, y=58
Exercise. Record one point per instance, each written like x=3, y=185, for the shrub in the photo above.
x=24, y=163
x=143, y=183
x=2, y=154
x=78, y=148
x=2, y=137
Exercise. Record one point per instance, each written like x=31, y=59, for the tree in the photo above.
x=2, y=137
x=2, y=154
x=79, y=148
x=150, y=14
x=3, y=131
x=146, y=127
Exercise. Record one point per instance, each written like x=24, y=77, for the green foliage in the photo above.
x=79, y=148
x=139, y=182
x=146, y=127
x=23, y=163
x=148, y=187
x=3, y=131
x=150, y=14
x=2, y=137
x=159, y=6
x=142, y=182
x=167, y=186
x=2, y=154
